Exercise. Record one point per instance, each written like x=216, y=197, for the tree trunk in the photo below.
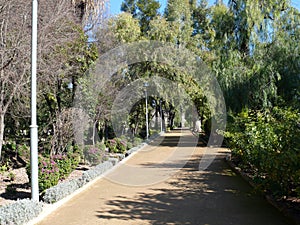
x=1, y=132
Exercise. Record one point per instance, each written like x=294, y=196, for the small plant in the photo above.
x=64, y=164
x=93, y=154
x=121, y=145
x=20, y=212
x=48, y=173
x=136, y=141
x=112, y=145
x=11, y=176
x=4, y=168
x=129, y=145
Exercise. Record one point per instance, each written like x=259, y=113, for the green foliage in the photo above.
x=64, y=164
x=94, y=154
x=112, y=145
x=143, y=10
x=48, y=173
x=121, y=145
x=125, y=28
x=136, y=141
x=268, y=142
x=53, y=169
x=4, y=167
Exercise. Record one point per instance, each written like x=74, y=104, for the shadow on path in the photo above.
x=216, y=196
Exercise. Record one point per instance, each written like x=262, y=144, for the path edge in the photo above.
x=269, y=198
x=50, y=208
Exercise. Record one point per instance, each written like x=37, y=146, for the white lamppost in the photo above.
x=147, y=129
x=161, y=118
x=33, y=126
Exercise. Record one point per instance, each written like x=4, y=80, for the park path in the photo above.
x=150, y=188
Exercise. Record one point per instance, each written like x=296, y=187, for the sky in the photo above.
x=115, y=5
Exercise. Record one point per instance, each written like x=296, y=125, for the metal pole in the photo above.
x=33, y=126
x=161, y=119
x=147, y=129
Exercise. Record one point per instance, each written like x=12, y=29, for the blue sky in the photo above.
x=115, y=5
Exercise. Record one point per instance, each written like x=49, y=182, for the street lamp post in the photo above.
x=146, y=95
x=33, y=126
x=161, y=118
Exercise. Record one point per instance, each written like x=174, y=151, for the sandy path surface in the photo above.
x=153, y=188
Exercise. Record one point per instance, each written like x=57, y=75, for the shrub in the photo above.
x=136, y=141
x=53, y=169
x=64, y=164
x=48, y=173
x=121, y=145
x=20, y=212
x=112, y=145
x=129, y=145
x=94, y=154
x=269, y=143
x=75, y=154
x=61, y=190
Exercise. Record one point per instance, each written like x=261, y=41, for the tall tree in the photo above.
x=89, y=12
x=179, y=13
x=252, y=16
x=143, y=10
x=57, y=28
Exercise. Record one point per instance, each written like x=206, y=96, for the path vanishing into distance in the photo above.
x=161, y=184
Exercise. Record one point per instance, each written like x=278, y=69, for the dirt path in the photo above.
x=149, y=190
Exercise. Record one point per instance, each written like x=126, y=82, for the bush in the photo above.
x=64, y=164
x=121, y=145
x=51, y=170
x=61, y=190
x=136, y=141
x=94, y=154
x=112, y=145
x=48, y=173
x=20, y=212
x=129, y=145
x=268, y=143
x=91, y=174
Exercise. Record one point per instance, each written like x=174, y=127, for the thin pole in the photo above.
x=33, y=126
x=147, y=129
x=161, y=118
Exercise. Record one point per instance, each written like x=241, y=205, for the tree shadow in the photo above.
x=12, y=192
x=216, y=196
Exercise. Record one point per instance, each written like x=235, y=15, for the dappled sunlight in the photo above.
x=194, y=197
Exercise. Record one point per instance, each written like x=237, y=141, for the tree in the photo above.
x=57, y=27
x=253, y=16
x=89, y=12
x=13, y=70
x=143, y=10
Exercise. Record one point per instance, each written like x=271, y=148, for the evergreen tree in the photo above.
x=143, y=10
